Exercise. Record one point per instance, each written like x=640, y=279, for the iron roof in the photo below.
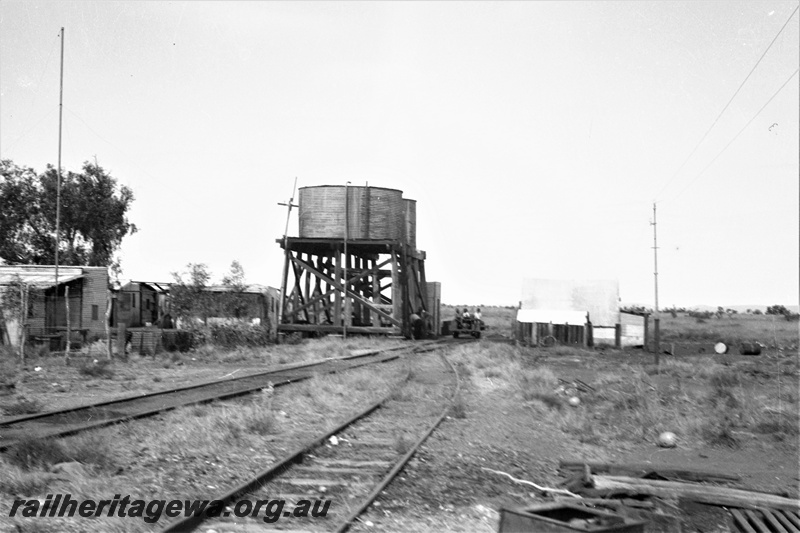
x=37, y=276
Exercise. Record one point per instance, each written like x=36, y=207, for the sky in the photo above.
x=534, y=136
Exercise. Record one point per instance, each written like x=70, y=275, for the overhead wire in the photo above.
x=122, y=152
x=735, y=136
x=35, y=96
x=728, y=104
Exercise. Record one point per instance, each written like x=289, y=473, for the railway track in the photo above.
x=81, y=418
x=341, y=471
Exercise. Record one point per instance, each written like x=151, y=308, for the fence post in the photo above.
x=66, y=301
x=121, y=339
x=108, y=324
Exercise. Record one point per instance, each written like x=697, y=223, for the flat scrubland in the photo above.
x=730, y=413
x=773, y=331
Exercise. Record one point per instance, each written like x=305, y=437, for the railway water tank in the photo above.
x=410, y=210
x=372, y=212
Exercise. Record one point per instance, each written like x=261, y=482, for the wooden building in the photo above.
x=251, y=304
x=84, y=290
x=140, y=304
x=355, y=267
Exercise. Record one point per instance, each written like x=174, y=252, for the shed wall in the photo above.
x=600, y=298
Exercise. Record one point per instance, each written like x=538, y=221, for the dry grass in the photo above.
x=23, y=406
x=196, y=451
x=773, y=331
x=699, y=400
x=91, y=449
x=97, y=368
x=21, y=482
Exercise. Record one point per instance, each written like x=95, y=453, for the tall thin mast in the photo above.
x=655, y=255
x=58, y=183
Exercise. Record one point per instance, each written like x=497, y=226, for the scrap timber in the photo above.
x=645, y=491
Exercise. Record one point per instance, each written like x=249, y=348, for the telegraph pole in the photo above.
x=656, y=319
x=289, y=205
x=346, y=258
x=58, y=183
x=655, y=253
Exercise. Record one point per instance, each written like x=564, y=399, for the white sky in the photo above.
x=533, y=135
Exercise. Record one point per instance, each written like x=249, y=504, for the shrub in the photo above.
x=23, y=406
x=99, y=368
x=233, y=335
x=720, y=433
x=402, y=444
x=178, y=340
x=723, y=379
x=30, y=452
x=551, y=400
x=92, y=449
x=459, y=408
x=261, y=421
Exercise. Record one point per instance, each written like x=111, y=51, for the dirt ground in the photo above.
x=447, y=487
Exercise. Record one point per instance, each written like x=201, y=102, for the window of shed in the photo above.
x=95, y=312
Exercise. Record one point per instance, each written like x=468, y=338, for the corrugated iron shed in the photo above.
x=37, y=276
x=249, y=289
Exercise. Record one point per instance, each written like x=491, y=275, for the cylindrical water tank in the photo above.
x=410, y=222
x=373, y=212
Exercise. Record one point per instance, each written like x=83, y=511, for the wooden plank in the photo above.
x=376, y=292
x=297, y=291
x=330, y=290
x=354, y=463
x=337, y=274
x=781, y=516
x=696, y=492
x=741, y=521
x=756, y=522
x=307, y=295
x=338, y=470
x=339, y=286
x=315, y=482
x=773, y=521
x=689, y=474
x=373, y=442
x=793, y=518
x=396, y=296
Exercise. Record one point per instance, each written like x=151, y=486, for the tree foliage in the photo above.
x=188, y=295
x=778, y=310
x=94, y=220
x=235, y=303
x=192, y=299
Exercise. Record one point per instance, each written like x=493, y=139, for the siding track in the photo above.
x=74, y=420
x=371, y=448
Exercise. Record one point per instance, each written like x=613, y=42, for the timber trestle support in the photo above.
x=385, y=285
